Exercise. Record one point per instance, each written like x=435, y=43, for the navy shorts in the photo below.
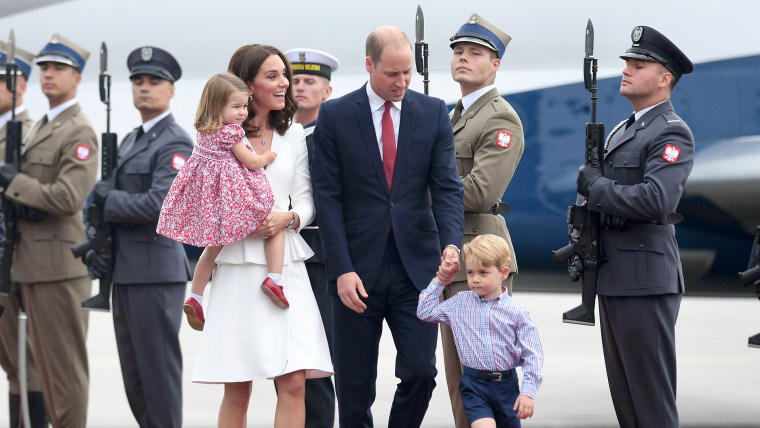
x=484, y=398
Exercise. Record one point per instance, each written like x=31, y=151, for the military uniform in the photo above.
x=489, y=144
x=59, y=162
x=640, y=281
x=150, y=271
x=320, y=392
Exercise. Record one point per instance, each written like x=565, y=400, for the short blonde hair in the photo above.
x=214, y=98
x=489, y=250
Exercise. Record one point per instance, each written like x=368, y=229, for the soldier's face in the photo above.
x=151, y=94
x=269, y=86
x=643, y=79
x=390, y=76
x=59, y=82
x=6, y=97
x=473, y=66
x=310, y=91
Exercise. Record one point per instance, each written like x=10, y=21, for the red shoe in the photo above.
x=194, y=312
x=275, y=293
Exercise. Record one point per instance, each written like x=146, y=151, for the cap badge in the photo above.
x=301, y=56
x=146, y=54
x=637, y=34
x=473, y=19
x=54, y=40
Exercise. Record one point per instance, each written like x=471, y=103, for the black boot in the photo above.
x=37, y=414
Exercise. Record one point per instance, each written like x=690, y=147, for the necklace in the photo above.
x=263, y=141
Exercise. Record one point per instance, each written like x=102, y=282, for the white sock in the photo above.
x=197, y=298
x=276, y=277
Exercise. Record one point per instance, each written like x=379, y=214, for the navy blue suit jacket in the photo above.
x=356, y=208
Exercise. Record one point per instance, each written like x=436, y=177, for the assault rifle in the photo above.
x=12, y=157
x=584, y=225
x=101, y=240
x=752, y=277
x=421, y=48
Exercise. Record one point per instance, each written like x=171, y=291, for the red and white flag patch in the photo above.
x=504, y=139
x=83, y=152
x=671, y=153
x=178, y=161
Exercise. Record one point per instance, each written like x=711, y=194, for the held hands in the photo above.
x=101, y=190
x=524, y=407
x=448, y=268
x=350, y=286
x=587, y=174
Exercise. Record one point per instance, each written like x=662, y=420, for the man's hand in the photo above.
x=7, y=174
x=524, y=407
x=97, y=265
x=348, y=285
x=587, y=174
x=447, y=270
x=102, y=188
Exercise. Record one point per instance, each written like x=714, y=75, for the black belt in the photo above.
x=492, y=375
x=497, y=208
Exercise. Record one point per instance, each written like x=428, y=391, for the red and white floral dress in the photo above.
x=215, y=199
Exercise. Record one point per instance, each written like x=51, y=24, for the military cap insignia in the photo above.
x=671, y=153
x=55, y=40
x=637, y=32
x=83, y=152
x=473, y=19
x=301, y=56
x=146, y=54
x=504, y=139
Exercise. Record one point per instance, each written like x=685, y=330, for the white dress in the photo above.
x=246, y=337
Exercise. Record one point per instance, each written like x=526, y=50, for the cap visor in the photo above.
x=472, y=40
x=56, y=58
x=153, y=71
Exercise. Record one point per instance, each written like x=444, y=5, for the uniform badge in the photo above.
x=178, y=161
x=301, y=56
x=504, y=139
x=671, y=153
x=636, y=36
x=83, y=152
x=146, y=54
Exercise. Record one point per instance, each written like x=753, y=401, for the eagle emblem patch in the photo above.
x=504, y=139
x=178, y=161
x=671, y=153
x=83, y=152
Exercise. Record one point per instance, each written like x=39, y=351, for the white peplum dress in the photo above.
x=246, y=337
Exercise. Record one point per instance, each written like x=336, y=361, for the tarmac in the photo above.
x=718, y=375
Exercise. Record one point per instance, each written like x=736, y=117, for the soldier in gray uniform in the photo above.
x=312, y=70
x=150, y=271
x=647, y=160
x=489, y=142
x=9, y=322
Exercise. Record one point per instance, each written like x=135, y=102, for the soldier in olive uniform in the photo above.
x=489, y=143
x=59, y=161
x=9, y=322
x=150, y=271
x=647, y=160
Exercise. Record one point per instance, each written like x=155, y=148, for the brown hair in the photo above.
x=214, y=98
x=379, y=38
x=245, y=64
x=490, y=250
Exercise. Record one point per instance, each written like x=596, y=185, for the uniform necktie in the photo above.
x=140, y=133
x=630, y=120
x=389, y=144
x=457, y=112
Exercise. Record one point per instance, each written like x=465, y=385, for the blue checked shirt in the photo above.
x=493, y=334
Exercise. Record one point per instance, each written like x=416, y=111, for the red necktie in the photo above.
x=389, y=144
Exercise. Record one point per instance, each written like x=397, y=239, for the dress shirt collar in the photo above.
x=642, y=112
x=504, y=292
x=55, y=111
x=375, y=102
x=7, y=115
x=470, y=98
x=152, y=122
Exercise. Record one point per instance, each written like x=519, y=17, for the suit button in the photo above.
x=386, y=231
x=15, y=193
x=474, y=230
x=391, y=204
x=599, y=206
x=625, y=162
x=641, y=245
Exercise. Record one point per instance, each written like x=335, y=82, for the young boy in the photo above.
x=493, y=335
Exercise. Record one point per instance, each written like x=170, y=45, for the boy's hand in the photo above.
x=524, y=407
x=448, y=268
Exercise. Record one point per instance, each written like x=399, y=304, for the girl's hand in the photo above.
x=269, y=156
x=273, y=224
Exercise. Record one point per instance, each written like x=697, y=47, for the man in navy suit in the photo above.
x=390, y=204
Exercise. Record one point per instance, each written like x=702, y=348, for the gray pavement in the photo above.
x=718, y=375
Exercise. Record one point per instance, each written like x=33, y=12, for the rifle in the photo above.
x=102, y=239
x=752, y=276
x=421, y=48
x=584, y=225
x=13, y=157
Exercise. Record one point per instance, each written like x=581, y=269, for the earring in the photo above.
x=250, y=97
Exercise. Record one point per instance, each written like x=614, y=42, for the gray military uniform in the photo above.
x=640, y=279
x=150, y=274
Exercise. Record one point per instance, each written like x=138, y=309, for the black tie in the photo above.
x=457, y=112
x=140, y=133
x=630, y=120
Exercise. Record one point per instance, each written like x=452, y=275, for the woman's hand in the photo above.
x=273, y=224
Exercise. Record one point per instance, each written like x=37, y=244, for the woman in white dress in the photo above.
x=246, y=337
